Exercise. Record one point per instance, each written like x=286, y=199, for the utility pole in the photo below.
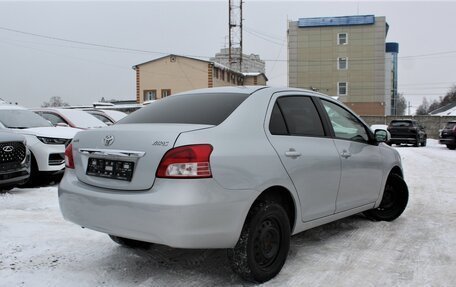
x=235, y=34
x=409, y=108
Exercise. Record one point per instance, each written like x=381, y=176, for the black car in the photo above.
x=407, y=132
x=14, y=160
x=448, y=135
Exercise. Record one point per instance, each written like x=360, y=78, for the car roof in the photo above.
x=11, y=107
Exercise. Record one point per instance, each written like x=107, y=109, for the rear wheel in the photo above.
x=263, y=246
x=451, y=146
x=131, y=243
x=394, y=200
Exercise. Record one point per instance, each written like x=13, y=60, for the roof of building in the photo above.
x=217, y=65
x=170, y=55
x=448, y=110
x=337, y=21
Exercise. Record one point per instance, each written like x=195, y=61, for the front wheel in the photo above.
x=423, y=143
x=263, y=246
x=394, y=200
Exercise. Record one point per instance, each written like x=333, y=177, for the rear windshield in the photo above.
x=401, y=124
x=450, y=126
x=205, y=109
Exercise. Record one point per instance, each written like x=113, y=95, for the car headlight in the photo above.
x=46, y=140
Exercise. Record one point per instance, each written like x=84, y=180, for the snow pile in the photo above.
x=38, y=248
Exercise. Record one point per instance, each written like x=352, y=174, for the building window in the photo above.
x=216, y=73
x=342, y=39
x=165, y=93
x=222, y=75
x=150, y=95
x=342, y=63
x=342, y=88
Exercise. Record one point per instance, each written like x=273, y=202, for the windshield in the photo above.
x=450, y=126
x=22, y=119
x=204, y=109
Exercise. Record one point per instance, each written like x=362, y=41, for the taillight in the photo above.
x=454, y=130
x=69, y=162
x=191, y=161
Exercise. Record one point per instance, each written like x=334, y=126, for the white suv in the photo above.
x=46, y=142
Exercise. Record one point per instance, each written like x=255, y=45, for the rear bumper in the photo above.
x=178, y=213
x=408, y=140
x=451, y=141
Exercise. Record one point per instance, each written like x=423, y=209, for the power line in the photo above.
x=89, y=43
x=317, y=62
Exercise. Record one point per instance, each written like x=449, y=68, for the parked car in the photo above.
x=14, y=160
x=407, y=132
x=46, y=142
x=241, y=168
x=70, y=118
x=109, y=117
x=448, y=135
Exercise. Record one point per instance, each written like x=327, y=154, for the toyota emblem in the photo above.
x=108, y=140
x=8, y=148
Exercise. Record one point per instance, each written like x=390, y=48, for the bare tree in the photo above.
x=401, y=105
x=423, y=108
x=54, y=102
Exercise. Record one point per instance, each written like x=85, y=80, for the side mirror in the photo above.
x=382, y=136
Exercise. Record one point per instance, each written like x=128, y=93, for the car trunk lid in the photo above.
x=126, y=156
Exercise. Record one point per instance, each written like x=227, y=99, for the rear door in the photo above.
x=308, y=154
x=362, y=168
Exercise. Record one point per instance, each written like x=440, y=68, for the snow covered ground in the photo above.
x=38, y=248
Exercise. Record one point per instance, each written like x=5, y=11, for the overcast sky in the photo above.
x=33, y=69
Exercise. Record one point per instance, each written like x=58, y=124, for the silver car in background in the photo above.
x=241, y=168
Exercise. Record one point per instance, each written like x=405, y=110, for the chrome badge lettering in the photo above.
x=160, y=143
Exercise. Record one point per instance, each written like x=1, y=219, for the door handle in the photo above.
x=346, y=154
x=292, y=153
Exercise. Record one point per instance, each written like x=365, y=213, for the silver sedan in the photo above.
x=241, y=168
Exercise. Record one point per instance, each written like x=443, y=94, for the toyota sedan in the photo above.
x=241, y=168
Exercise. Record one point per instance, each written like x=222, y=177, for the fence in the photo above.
x=432, y=124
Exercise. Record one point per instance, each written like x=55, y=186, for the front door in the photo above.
x=361, y=162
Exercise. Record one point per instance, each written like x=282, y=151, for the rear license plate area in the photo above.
x=114, y=169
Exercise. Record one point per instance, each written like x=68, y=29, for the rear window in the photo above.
x=205, y=109
x=401, y=124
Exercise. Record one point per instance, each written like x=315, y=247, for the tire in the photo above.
x=424, y=142
x=394, y=200
x=451, y=146
x=130, y=243
x=34, y=178
x=263, y=245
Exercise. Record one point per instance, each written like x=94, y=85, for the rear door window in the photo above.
x=297, y=116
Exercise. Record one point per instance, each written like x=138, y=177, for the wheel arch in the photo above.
x=396, y=170
x=282, y=196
